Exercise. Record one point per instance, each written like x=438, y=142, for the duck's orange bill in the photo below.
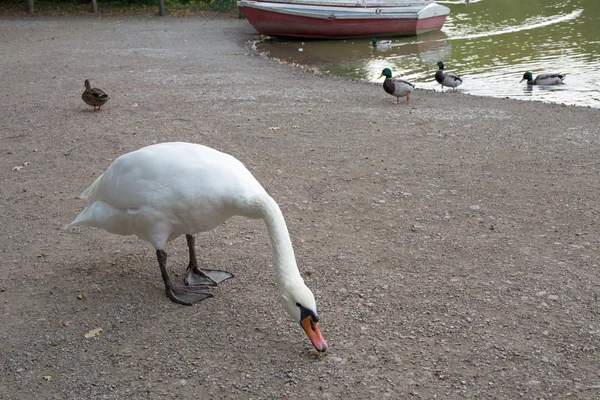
x=312, y=330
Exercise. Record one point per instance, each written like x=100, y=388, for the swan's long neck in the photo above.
x=286, y=270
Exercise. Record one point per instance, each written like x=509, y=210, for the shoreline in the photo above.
x=316, y=70
x=451, y=242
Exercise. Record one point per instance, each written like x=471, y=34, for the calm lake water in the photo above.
x=489, y=43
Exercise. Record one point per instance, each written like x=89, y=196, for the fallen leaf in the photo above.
x=65, y=323
x=26, y=163
x=135, y=105
x=17, y=168
x=93, y=332
x=373, y=163
x=3, y=289
x=47, y=377
x=274, y=128
x=81, y=296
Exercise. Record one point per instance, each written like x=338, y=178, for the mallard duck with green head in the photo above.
x=94, y=97
x=380, y=43
x=396, y=87
x=447, y=78
x=547, y=78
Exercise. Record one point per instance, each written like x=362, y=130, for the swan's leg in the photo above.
x=197, y=276
x=185, y=295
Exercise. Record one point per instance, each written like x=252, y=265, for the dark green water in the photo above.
x=489, y=43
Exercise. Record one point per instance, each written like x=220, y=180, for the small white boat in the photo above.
x=335, y=19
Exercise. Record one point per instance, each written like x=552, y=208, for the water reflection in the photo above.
x=527, y=90
x=358, y=50
x=490, y=43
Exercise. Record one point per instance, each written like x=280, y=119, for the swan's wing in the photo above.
x=175, y=176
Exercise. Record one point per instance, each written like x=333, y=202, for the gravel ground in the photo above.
x=452, y=243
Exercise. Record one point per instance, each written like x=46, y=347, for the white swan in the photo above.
x=167, y=190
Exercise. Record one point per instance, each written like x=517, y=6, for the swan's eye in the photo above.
x=305, y=312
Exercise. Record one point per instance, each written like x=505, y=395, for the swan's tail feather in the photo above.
x=89, y=192
x=83, y=217
x=102, y=215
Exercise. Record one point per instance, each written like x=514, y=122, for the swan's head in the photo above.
x=300, y=303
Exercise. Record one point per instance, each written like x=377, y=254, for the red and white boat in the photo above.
x=336, y=19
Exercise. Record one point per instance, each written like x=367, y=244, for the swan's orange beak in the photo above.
x=312, y=330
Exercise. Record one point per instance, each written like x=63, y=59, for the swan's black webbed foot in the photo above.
x=205, y=277
x=198, y=276
x=186, y=295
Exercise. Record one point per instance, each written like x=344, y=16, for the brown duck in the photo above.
x=93, y=96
